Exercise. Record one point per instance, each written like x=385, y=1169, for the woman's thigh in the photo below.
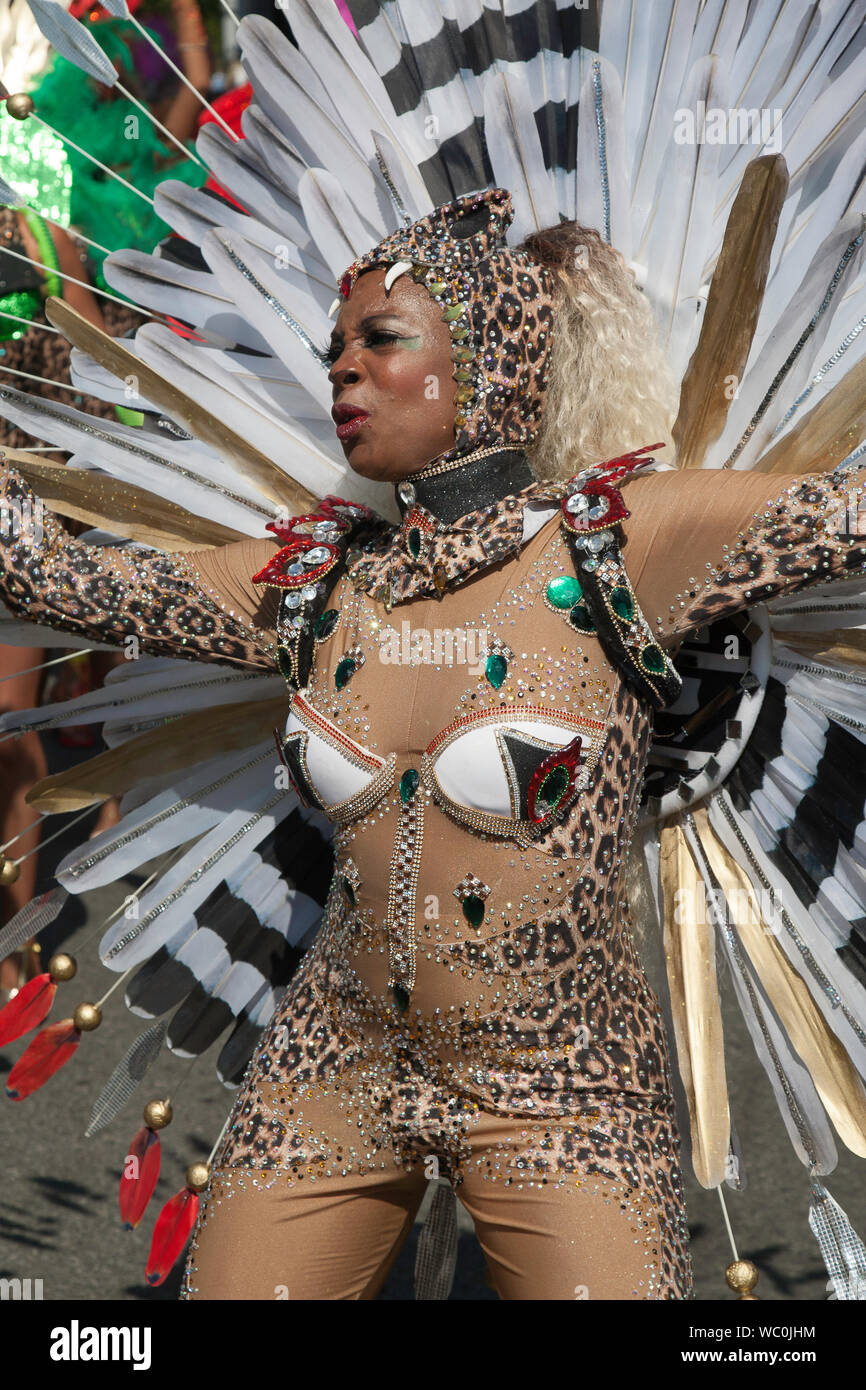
x=590, y=1209
x=318, y=1226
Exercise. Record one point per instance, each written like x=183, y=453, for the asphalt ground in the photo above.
x=59, y=1219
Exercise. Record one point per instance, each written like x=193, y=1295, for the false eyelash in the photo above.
x=386, y=334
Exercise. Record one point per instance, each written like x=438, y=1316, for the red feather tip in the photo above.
x=139, y=1178
x=47, y=1053
x=27, y=1009
x=170, y=1234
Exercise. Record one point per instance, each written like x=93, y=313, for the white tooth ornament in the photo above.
x=334, y=307
x=395, y=272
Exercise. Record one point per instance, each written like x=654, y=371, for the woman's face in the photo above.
x=392, y=378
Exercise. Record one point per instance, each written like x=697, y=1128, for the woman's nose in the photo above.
x=346, y=370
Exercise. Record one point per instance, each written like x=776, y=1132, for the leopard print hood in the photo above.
x=498, y=305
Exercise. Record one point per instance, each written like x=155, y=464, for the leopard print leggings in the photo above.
x=347, y=1113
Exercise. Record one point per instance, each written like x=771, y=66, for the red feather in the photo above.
x=28, y=1008
x=47, y=1053
x=170, y=1234
x=136, y=1187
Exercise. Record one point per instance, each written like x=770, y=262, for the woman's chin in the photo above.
x=367, y=463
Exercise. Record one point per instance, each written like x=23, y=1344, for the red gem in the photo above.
x=617, y=510
x=569, y=760
x=47, y=1053
x=346, y=285
x=170, y=1234
x=274, y=572
x=27, y=1009
x=140, y=1173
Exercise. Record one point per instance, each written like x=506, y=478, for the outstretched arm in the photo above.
x=200, y=605
x=705, y=543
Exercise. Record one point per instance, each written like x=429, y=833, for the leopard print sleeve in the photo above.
x=181, y=605
x=705, y=543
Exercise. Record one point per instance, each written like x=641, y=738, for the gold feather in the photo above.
x=734, y=303
x=178, y=745
x=110, y=353
x=690, y=953
x=828, y=434
x=119, y=507
x=833, y=1073
x=839, y=646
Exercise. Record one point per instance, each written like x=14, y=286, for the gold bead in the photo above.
x=20, y=106
x=62, y=967
x=157, y=1114
x=10, y=872
x=87, y=1017
x=198, y=1176
x=742, y=1276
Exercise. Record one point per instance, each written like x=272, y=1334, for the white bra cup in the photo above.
x=471, y=770
x=338, y=768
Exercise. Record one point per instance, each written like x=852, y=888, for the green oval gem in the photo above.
x=564, y=591
x=413, y=540
x=495, y=669
x=326, y=622
x=408, y=785
x=473, y=910
x=653, y=659
x=579, y=617
x=622, y=603
x=401, y=997
x=345, y=671
x=553, y=787
x=453, y=312
x=436, y=286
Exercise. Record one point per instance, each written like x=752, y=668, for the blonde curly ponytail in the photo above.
x=610, y=388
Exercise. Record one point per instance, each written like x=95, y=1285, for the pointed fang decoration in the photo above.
x=27, y=1009
x=170, y=1234
x=49, y=1051
x=335, y=306
x=140, y=1175
x=394, y=273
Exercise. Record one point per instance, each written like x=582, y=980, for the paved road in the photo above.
x=58, y=1191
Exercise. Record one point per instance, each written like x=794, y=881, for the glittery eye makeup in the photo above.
x=375, y=333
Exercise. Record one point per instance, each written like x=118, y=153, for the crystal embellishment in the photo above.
x=496, y=669
x=408, y=785
x=345, y=671
x=472, y=892
x=564, y=591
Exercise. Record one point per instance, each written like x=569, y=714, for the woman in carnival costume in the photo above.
x=471, y=1006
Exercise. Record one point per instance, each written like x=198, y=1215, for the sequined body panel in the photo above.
x=539, y=1012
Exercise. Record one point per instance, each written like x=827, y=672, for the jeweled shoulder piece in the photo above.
x=306, y=570
x=602, y=600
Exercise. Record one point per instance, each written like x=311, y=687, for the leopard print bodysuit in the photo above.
x=473, y=1006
